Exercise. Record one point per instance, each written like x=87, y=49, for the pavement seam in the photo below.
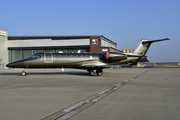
x=74, y=109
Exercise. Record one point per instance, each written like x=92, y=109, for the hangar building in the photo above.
x=13, y=48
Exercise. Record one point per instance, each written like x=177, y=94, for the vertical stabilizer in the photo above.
x=144, y=45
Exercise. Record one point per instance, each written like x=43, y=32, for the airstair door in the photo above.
x=48, y=58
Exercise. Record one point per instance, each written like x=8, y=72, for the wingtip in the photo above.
x=166, y=38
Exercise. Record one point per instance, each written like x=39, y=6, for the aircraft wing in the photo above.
x=100, y=66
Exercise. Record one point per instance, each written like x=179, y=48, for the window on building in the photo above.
x=17, y=55
x=85, y=50
x=104, y=50
x=94, y=41
x=38, y=51
x=27, y=53
x=49, y=51
x=72, y=50
x=71, y=56
x=35, y=56
x=61, y=50
x=54, y=57
x=81, y=56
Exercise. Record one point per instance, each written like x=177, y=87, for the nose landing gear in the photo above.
x=23, y=73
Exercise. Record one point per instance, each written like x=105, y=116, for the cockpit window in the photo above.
x=35, y=56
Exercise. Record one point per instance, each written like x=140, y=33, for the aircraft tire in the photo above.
x=99, y=72
x=23, y=73
x=91, y=72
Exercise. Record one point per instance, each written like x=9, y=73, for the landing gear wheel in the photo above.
x=23, y=73
x=99, y=72
x=91, y=72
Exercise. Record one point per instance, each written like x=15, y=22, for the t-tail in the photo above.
x=144, y=45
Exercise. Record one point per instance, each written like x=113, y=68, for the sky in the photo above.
x=125, y=22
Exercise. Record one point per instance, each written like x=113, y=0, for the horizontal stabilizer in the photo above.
x=135, y=61
x=151, y=41
x=144, y=60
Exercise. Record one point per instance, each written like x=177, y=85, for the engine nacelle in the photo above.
x=114, y=56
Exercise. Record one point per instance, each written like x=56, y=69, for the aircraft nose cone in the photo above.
x=9, y=65
x=16, y=64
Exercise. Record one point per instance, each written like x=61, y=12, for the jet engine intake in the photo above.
x=114, y=56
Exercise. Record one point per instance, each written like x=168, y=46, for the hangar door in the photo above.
x=48, y=58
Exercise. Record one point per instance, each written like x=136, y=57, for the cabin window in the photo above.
x=66, y=56
x=71, y=56
x=81, y=56
x=60, y=57
x=54, y=57
x=77, y=57
x=86, y=57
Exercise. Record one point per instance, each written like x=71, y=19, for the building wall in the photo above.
x=47, y=42
x=115, y=50
x=3, y=49
x=108, y=49
x=105, y=49
x=107, y=43
x=99, y=45
x=95, y=43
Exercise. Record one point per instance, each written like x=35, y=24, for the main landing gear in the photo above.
x=99, y=71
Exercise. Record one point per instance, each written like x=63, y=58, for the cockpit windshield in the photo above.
x=35, y=56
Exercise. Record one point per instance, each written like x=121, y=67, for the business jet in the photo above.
x=87, y=61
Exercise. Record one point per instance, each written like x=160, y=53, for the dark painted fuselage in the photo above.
x=64, y=60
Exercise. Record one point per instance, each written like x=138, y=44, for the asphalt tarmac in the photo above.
x=119, y=94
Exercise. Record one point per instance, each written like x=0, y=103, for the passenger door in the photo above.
x=48, y=58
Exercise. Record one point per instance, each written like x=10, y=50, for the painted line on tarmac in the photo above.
x=74, y=109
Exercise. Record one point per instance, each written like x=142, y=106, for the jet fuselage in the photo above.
x=68, y=60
